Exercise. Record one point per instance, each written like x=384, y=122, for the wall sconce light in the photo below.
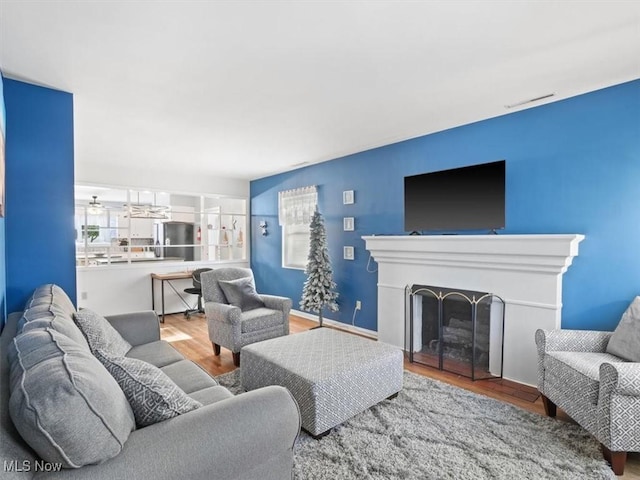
x=263, y=226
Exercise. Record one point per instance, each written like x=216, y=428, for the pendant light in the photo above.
x=146, y=210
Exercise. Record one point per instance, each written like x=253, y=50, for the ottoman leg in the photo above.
x=236, y=358
x=320, y=435
x=216, y=349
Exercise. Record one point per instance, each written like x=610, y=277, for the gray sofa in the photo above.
x=250, y=436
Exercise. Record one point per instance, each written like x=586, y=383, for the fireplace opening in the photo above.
x=459, y=331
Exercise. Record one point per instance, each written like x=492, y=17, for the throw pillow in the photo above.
x=63, y=402
x=51, y=294
x=152, y=395
x=625, y=341
x=241, y=293
x=100, y=334
x=44, y=316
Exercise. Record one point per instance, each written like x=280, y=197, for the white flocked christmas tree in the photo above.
x=319, y=289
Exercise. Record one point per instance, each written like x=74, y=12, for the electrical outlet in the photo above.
x=358, y=305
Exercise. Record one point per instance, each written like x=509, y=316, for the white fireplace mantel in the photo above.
x=525, y=271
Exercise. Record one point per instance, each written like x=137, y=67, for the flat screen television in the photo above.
x=467, y=198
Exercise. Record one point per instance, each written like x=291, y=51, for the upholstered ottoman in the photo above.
x=333, y=375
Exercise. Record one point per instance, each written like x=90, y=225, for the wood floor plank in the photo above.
x=191, y=338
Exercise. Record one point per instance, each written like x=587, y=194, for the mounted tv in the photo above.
x=467, y=198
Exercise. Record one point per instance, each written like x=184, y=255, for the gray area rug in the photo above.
x=432, y=430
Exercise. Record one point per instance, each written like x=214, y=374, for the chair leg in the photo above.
x=216, y=349
x=617, y=460
x=549, y=406
x=236, y=358
x=200, y=309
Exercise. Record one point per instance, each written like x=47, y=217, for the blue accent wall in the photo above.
x=573, y=166
x=39, y=235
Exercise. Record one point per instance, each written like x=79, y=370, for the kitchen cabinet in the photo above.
x=135, y=227
x=141, y=228
x=183, y=214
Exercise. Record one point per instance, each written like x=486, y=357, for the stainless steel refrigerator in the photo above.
x=172, y=236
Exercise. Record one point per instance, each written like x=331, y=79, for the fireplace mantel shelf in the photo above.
x=533, y=253
x=524, y=270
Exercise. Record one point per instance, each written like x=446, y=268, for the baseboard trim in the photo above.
x=339, y=325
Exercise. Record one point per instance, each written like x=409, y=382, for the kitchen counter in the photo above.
x=105, y=260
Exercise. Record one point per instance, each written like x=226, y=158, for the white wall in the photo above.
x=110, y=290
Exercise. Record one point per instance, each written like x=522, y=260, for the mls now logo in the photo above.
x=31, y=466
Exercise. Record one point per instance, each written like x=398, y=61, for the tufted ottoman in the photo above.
x=333, y=375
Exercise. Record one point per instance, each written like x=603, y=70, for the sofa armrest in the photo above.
x=274, y=302
x=619, y=406
x=621, y=377
x=572, y=340
x=221, y=312
x=137, y=328
x=218, y=441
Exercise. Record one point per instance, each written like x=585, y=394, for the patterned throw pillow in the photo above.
x=100, y=334
x=241, y=293
x=625, y=341
x=152, y=395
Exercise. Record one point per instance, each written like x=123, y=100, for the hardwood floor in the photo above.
x=191, y=338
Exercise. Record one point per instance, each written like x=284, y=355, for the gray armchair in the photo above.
x=236, y=314
x=600, y=391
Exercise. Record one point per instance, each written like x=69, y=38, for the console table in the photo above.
x=167, y=277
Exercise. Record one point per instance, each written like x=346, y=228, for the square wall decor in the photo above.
x=348, y=224
x=348, y=253
x=347, y=197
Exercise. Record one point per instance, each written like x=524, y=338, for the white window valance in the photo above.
x=295, y=207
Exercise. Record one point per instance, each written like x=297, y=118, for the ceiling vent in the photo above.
x=531, y=100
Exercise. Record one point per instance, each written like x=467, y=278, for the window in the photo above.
x=295, y=246
x=296, y=208
x=116, y=226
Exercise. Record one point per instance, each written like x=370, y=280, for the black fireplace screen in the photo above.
x=458, y=331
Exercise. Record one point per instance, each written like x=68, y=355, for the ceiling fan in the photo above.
x=95, y=207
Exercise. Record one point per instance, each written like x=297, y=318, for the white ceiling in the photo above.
x=245, y=89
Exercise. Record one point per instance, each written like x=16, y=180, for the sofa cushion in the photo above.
x=49, y=316
x=51, y=294
x=211, y=395
x=189, y=376
x=12, y=445
x=153, y=396
x=625, y=341
x=158, y=353
x=49, y=306
x=63, y=402
x=260, y=319
x=100, y=335
x=241, y=293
